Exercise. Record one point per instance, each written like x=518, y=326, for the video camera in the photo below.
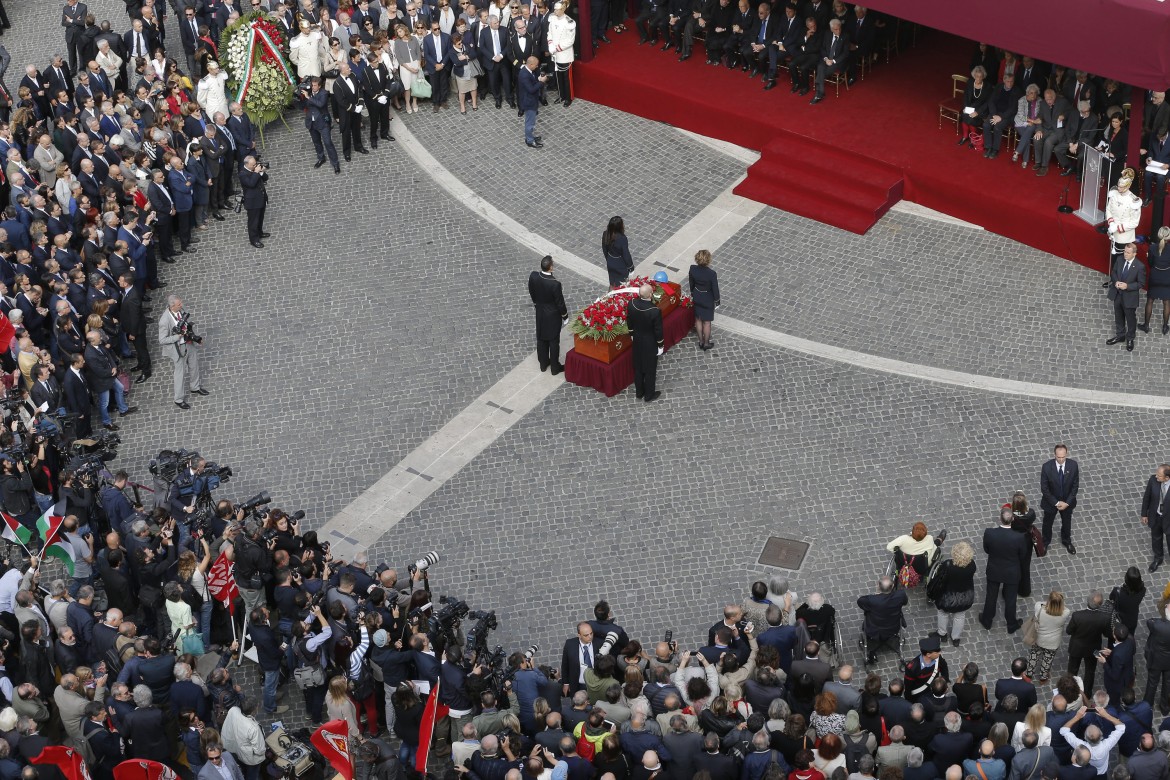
x=485, y=622
x=185, y=329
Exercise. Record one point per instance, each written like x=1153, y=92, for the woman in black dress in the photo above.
x=617, y=252
x=1117, y=140
x=1023, y=519
x=1159, y=258
x=968, y=690
x=976, y=97
x=705, y=292
x=1127, y=597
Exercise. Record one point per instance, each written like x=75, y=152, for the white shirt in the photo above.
x=581, y=659
x=1099, y=753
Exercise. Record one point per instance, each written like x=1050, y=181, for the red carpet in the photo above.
x=845, y=161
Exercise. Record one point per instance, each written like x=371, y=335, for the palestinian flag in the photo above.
x=56, y=545
x=15, y=532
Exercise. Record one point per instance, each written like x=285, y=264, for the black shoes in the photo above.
x=652, y=396
x=1144, y=327
x=264, y=235
x=141, y=379
x=1072, y=548
x=319, y=163
x=110, y=426
x=201, y=391
x=258, y=244
x=769, y=84
x=534, y=144
x=1115, y=340
x=1154, y=566
x=217, y=217
x=815, y=100
x=557, y=368
x=182, y=404
x=1129, y=346
x=129, y=410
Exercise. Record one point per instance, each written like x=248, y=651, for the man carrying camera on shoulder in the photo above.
x=253, y=557
x=176, y=334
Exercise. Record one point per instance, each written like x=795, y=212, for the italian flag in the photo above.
x=56, y=545
x=14, y=532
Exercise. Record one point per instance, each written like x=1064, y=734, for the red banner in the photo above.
x=332, y=741
x=432, y=714
x=143, y=769
x=222, y=584
x=66, y=759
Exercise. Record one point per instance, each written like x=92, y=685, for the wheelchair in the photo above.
x=894, y=565
x=897, y=643
x=827, y=632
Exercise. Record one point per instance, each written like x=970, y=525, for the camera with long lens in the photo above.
x=424, y=563
x=185, y=329
x=258, y=500
x=443, y=625
x=607, y=645
x=485, y=622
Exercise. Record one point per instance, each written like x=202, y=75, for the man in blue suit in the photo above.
x=785, y=38
x=182, y=186
x=244, y=134
x=435, y=48
x=319, y=126
x=529, y=94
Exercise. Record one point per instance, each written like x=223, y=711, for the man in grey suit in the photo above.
x=1054, y=114
x=1126, y=280
x=179, y=345
x=1035, y=760
x=219, y=761
x=848, y=697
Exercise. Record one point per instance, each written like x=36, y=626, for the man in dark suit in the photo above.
x=645, y=322
x=46, y=390
x=73, y=20
x=1086, y=629
x=862, y=33
x=163, y=207
x=493, y=43
x=347, y=97
x=785, y=38
x=1126, y=280
x=883, y=615
x=1119, y=663
x=59, y=77
x=999, y=114
x=834, y=58
x=716, y=23
x=813, y=666
x=744, y=25
x=1022, y=689
x=551, y=313
x=521, y=45
x=1007, y=555
x=139, y=41
x=76, y=396
x=253, y=180
x=1054, y=114
x=952, y=745
x=319, y=125
x=529, y=94
x=757, y=52
x=189, y=34
x=1060, y=480
x=1156, y=512
x=435, y=48
x=133, y=321
x=376, y=85
x=243, y=133
x=1031, y=72
x=579, y=652
x=780, y=636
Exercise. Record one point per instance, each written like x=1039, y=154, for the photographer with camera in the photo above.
x=318, y=123
x=253, y=564
x=176, y=334
x=16, y=493
x=529, y=89
x=527, y=681
x=114, y=503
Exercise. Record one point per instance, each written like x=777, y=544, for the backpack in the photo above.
x=855, y=750
x=363, y=687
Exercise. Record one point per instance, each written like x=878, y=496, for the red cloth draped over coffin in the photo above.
x=612, y=378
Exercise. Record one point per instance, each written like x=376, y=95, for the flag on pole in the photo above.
x=66, y=759
x=432, y=714
x=332, y=741
x=221, y=583
x=56, y=544
x=143, y=769
x=14, y=531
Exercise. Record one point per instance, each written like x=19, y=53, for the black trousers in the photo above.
x=142, y=352
x=714, y=43
x=1153, y=677
x=650, y=21
x=548, y=352
x=1159, y=531
x=1089, y=656
x=323, y=143
x=1065, y=525
x=645, y=373
x=227, y=172
x=379, y=120
x=499, y=79
x=1010, y=590
x=825, y=70
x=993, y=133
x=183, y=227
x=1124, y=318
x=163, y=235
x=217, y=197
x=802, y=66
x=564, y=81
x=440, y=86
x=255, y=223
x=351, y=132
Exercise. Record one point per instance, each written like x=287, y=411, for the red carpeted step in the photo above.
x=808, y=203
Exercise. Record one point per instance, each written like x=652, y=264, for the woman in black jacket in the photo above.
x=617, y=252
x=1127, y=599
x=955, y=592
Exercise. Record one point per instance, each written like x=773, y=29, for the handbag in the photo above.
x=936, y=585
x=1038, y=542
x=474, y=69
x=124, y=381
x=420, y=88
x=953, y=601
x=394, y=89
x=908, y=575
x=1031, y=635
x=193, y=644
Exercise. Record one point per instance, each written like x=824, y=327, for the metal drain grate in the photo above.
x=783, y=553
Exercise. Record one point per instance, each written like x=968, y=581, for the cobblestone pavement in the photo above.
x=382, y=307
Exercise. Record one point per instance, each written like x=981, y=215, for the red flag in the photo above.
x=143, y=769
x=222, y=584
x=432, y=714
x=332, y=741
x=66, y=759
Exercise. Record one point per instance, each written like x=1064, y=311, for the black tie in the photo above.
x=1060, y=477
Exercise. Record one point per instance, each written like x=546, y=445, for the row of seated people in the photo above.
x=815, y=40
x=1056, y=114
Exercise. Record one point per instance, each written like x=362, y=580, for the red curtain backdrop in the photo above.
x=1127, y=40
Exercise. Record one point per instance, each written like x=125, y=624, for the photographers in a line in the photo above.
x=253, y=178
x=176, y=334
x=529, y=94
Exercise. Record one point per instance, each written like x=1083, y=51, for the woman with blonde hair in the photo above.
x=1035, y=720
x=953, y=589
x=1051, y=617
x=338, y=705
x=704, y=285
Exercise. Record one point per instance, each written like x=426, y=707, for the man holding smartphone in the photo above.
x=1097, y=745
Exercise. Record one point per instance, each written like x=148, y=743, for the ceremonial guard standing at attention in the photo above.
x=645, y=322
x=551, y=314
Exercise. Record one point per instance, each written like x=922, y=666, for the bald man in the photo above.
x=645, y=321
x=528, y=93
